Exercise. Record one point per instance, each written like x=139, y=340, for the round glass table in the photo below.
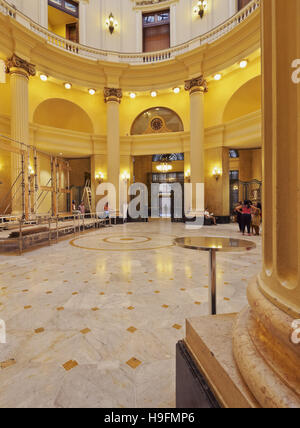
x=213, y=245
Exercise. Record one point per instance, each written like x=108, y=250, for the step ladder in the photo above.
x=87, y=195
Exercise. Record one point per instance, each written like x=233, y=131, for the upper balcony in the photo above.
x=134, y=59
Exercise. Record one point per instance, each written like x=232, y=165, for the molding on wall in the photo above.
x=56, y=61
x=241, y=133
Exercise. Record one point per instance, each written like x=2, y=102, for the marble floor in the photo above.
x=93, y=321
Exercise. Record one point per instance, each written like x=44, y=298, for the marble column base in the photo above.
x=266, y=357
x=209, y=342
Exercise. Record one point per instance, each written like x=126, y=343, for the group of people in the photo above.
x=249, y=216
x=79, y=210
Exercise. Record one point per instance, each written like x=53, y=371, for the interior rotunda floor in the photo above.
x=94, y=321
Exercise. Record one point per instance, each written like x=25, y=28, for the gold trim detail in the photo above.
x=17, y=65
x=72, y=243
x=113, y=94
x=199, y=84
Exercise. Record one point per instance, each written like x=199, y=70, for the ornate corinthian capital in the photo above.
x=112, y=94
x=199, y=84
x=15, y=64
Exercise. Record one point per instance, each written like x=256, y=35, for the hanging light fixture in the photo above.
x=165, y=166
x=201, y=8
x=111, y=23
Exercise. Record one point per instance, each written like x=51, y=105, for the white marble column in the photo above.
x=113, y=98
x=83, y=22
x=43, y=13
x=173, y=24
x=20, y=71
x=197, y=87
x=139, y=31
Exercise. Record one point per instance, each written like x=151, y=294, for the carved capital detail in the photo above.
x=199, y=84
x=15, y=64
x=113, y=94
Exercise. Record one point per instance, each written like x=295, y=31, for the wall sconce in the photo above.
x=126, y=177
x=188, y=175
x=201, y=8
x=111, y=23
x=30, y=171
x=99, y=177
x=217, y=172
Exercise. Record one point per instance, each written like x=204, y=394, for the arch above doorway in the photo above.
x=157, y=120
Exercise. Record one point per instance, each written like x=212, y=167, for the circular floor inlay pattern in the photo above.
x=124, y=240
x=123, y=243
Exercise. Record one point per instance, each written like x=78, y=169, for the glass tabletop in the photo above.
x=205, y=243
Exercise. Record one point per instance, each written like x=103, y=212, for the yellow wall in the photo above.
x=78, y=169
x=221, y=92
x=217, y=191
x=94, y=106
x=245, y=100
x=63, y=114
x=5, y=104
x=5, y=178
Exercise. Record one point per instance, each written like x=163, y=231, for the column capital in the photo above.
x=17, y=65
x=198, y=84
x=113, y=94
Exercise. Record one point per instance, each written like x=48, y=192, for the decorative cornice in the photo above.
x=113, y=94
x=152, y=5
x=199, y=84
x=15, y=64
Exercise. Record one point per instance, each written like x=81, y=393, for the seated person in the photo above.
x=210, y=217
x=75, y=211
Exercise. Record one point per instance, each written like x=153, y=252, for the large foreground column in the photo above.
x=267, y=334
x=20, y=71
x=113, y=98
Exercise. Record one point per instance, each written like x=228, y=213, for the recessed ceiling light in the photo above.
x=176, y=90
x=244, y=63
x=68, y=85
x=132, y=95
x=92, y=91
x=218, y=76
x=44, y=77
x=153, y=94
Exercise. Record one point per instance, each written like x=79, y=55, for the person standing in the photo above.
x=245, y=210
x=239, y=216
x=256, y=218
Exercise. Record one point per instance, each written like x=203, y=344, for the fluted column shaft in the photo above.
x=280, y=277
x=196, y=87
x=20, y=71
x=113, y=99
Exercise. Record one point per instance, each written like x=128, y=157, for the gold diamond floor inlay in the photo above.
x=177, y=326
x=101, y=342
x=69, y=365
x=8, y=363
x=134, y=363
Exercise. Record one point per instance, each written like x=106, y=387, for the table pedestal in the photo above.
x=212, y=300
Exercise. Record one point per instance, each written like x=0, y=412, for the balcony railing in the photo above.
x=131, y=58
